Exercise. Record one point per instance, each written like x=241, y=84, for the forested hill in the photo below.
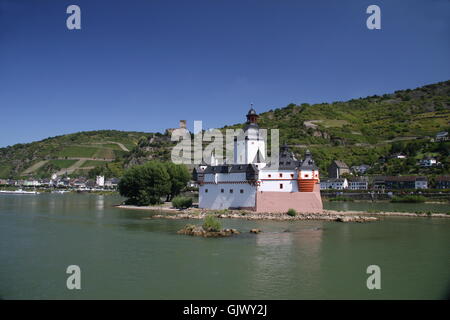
x=363, y=130
x=359, y=131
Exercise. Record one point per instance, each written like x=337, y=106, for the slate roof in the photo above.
x=340, y=164
x=228, y=168
x=308, y=163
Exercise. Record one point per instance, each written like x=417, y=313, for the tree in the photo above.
x=145, y=184
x=179, y=177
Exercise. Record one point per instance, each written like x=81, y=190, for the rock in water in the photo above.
x=194, y=230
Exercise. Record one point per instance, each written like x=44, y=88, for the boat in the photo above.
x=19, y=191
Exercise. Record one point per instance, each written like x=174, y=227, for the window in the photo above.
x=231, y=190
x=306, y=175
x=281, y=175
x=288, y=163
x=242, y=190
x=270, y=176
x=206, y=190
x=222, y=190
x=292, y=175
x=281, y=186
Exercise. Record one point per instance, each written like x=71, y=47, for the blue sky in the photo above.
x=142, y=65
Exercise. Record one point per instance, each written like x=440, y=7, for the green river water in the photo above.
x=124, y=256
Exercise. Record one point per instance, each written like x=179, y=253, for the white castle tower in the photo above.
x=252, y=148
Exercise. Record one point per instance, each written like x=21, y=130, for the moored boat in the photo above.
x=19, y=191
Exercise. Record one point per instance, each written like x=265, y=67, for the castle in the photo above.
x=252, y=184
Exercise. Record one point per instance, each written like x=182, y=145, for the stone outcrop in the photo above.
x=199, y=231
x=271, y=216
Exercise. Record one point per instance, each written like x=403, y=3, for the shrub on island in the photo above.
x=291, y=212
x=211, y=223
x=181, y=202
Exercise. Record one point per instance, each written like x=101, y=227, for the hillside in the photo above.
x=363, y=130
x=356, y=131
x=74, y=154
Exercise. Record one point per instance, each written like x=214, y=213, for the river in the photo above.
x=123, y=256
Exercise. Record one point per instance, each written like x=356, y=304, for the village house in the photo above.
x=441, y=136
x=31, y=183
x=111, y=183
x=100, y=181
x=406, y=182
x=335, y=184
x=337, y=169
x=398, y=156
x=442, y=182
x=358, y=183
x=428, y=162
x=361, y=169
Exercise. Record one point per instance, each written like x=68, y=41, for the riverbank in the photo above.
x=167, y=212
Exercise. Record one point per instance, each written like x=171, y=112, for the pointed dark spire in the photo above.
x=252, y=116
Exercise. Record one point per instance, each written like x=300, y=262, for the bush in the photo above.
x=182, y=202
x=211, y=223
x=409, y=199
x=291, y=212
x=341, y=198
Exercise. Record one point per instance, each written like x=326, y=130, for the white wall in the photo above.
x=215, y=199
x=270, y=180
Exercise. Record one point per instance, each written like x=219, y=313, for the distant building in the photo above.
x=361, y=169
x=443, y=182
x=441, y=136
x=182, y=125
x=112, y=183
x=336, y=184
x=337, y=169
x=406, y=182
x=3, y=181
x=31, y=183
x=358, y=183
x=398, y=156
x=100, y=181
x=428, y=162
x=379, y=183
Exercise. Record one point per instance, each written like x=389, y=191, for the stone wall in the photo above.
x=281, y=202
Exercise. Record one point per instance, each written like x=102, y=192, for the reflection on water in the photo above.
x=287, y=256
x=124, y=255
